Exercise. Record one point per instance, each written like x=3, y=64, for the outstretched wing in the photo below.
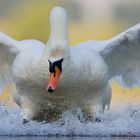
x=8, y=52
x=122, y=56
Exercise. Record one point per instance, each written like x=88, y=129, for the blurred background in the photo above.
x=88, y=20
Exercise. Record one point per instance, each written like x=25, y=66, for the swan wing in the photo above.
x=8, y=51
x=122, y=56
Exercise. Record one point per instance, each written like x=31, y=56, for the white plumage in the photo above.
x=86, y=70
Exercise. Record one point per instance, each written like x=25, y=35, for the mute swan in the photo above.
x=83, y=71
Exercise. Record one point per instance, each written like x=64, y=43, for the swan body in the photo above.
x=30, y=80
x=84, y=71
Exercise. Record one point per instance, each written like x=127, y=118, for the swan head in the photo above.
x=58, y=61
x=55, y=69
x=58, y=46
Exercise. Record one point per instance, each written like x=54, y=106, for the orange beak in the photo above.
x=53, y=81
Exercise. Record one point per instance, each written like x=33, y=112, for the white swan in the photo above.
x=83, y=71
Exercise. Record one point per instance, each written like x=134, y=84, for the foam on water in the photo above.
x=124, y=122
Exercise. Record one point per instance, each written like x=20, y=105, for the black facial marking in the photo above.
x=51, y=66
x=56, y=63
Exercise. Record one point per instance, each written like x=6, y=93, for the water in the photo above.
x=66, y=138
x=121, y=122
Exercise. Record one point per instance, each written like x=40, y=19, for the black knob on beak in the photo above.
x=50, y=90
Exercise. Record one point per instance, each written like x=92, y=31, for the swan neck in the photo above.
x=58, y=24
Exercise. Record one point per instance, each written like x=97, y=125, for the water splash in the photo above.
x=124, y=122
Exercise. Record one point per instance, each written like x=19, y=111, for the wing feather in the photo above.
x=122, y=56
x=8, y=52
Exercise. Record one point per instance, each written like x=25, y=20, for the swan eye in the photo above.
x=57, y=64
